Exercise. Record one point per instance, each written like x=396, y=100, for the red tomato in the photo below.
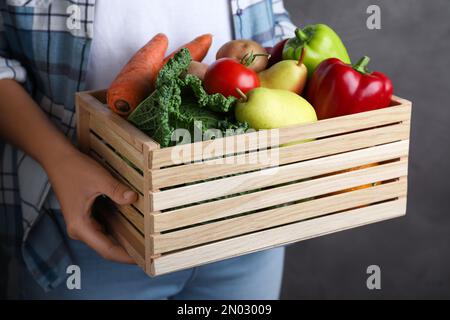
x=227, y=74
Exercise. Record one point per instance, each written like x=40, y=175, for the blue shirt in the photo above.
x=39, y=49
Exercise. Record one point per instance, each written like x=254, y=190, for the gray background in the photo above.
x=413, y=48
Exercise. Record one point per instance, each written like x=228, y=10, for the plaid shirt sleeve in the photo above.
x=9, y=68
x=54, y=54
x=284, y=28
x=264, y=21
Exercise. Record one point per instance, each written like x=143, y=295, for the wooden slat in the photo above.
x=276, y=196
x=148, y=221
x=118, y=143
x=133, y=215
x=116, y=123
x=125, y=234
x=139, y=204
x=173, y=176
x=250, y=181
x=117, y=163
x=396, y=100
x=278, y=236
x=324, y=128
x=272, y=218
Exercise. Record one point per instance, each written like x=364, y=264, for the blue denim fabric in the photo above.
x=253, y=276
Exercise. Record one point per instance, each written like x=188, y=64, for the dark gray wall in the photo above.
x=413, y=252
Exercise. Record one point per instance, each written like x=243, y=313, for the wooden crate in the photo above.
x=208, y=209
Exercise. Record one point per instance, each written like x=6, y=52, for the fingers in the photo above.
x=117, y=191
x=91, y=233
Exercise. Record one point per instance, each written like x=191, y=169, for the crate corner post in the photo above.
x=404, y=179
x=147, y=148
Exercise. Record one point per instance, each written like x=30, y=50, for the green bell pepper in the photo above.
x=320, y=43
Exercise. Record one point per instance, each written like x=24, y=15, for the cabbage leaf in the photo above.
x=179, y=101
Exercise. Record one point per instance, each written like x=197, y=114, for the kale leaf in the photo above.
x=178, y=101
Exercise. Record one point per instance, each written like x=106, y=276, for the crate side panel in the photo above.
x=126, y=235
x=214, y=231
x=133, y=215
x=278, y=236
x=271, y=197
x=139, y=204
x=173, y=176
x=118, y=143
x=117, y=163
x=323, y=128
x=175, y=197
x=116, y=123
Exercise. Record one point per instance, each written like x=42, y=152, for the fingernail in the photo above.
x=128, y=194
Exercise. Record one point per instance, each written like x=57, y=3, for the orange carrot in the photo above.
x=137, y=78
x=198, y=48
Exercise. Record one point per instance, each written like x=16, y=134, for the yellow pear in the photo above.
x=288, y=75
x=264, y=108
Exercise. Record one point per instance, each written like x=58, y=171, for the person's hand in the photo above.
x=77, y=181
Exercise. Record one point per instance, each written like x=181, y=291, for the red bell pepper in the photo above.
x=338, y=89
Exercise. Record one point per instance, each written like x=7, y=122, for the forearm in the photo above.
x=25, y=125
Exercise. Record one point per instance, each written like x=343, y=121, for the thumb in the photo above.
x=118, y=192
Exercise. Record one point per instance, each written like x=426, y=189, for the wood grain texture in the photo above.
x=255, y=180
x=116, y=123
x=125, y=234
x=148, y=220
x=271, y=218
x=278, y=236
x=139, y=204
x=173, y=176
x=120, y=145
x=133, y=215
x=117, y=163
x=400, y=112
x=276, y=196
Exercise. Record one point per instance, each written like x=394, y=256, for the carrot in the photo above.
x=198, y=48
x=137, y=78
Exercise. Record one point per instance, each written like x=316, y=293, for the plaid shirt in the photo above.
x=39, y=49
